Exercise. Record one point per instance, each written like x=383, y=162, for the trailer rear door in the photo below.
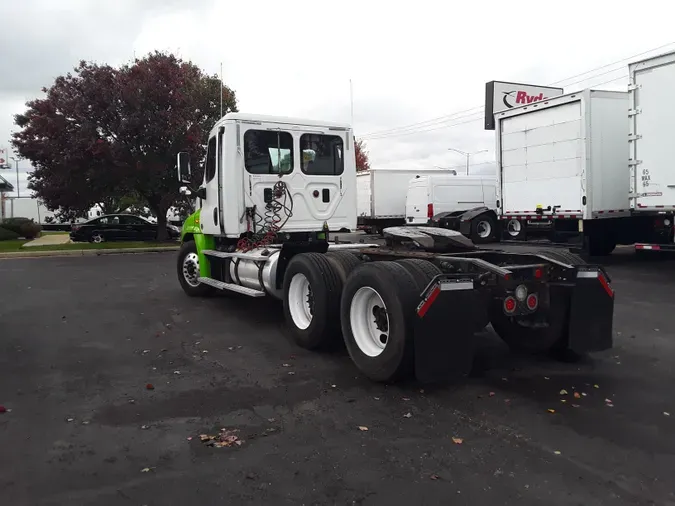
x=652, y=113
x=542, y=159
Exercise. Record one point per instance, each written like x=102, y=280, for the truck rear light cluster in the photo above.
x=538, y=273
x=532, y=301
x=509, y=304
x=430, y=211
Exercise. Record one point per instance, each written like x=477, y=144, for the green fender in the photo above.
x=192, y=232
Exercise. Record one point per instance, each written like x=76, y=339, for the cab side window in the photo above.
x=210, y=168
x=322, y=155
x=268, y=152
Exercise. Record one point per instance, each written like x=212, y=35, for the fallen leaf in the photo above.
x=407, y=415
x=609, y=401
x=666, y=413
x=189, y=438
x=575, y=405
x=609, y=405
x=291, y=373
x=546, y=378
x=205, y=351
x=563, y=392
x=69, y=420
x=657, y=330
x=363, y=428
x=505, y=379
x=406, y=398
x=551, y=410
x=457, y=440
x=285, y=365
x=584, y=394
x=563, y=400
x=85, y=422
x=146, y=470
x=333, y=386
x=205, y=437
x=146, y=351
x=577, y=395
x=376, y=398
x=491, y=394
x=596, y=386
x=271, y=420
x=433, y=477
x=231, y=348
x=144, y=427
x=149, y=386
x=557, y=452
x=177, y=372
x=421, y=390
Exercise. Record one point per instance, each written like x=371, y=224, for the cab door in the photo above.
x=210, y=215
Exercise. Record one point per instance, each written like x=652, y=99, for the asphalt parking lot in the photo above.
x=82, y=339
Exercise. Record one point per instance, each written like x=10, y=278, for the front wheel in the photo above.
x=188, y=271
x=97, y=238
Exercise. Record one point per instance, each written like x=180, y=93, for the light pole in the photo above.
x=468, y=155
x=18, y=189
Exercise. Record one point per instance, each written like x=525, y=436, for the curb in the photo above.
x=86, y=252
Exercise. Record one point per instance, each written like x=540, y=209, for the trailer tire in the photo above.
x=483, y=229
x=312, y=286
x=344, y=261
x=600, y=246
x=521, y=337
x=378, y=304
x=422, y=271
x=188, y=271
x=515, y=230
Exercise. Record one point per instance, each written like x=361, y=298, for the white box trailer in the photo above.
x=564, y=157
x=381, y=194
x=563, y=168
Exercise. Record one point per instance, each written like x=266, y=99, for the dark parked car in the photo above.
x=119, y=227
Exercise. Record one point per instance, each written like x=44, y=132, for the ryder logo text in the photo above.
x=515, y=98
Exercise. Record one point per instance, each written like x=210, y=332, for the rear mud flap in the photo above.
x=446, y=321
x=591, y=312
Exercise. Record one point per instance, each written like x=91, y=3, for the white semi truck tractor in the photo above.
x=273, y=190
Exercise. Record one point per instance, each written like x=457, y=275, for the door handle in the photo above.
x=325, y=195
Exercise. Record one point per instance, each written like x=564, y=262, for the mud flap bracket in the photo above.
x=450, y=313
x=591, y=312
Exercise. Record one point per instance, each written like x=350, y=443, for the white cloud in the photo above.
x=408, y=62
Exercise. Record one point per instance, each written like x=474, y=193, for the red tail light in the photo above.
x=538, y=273
x=532, y=301
x=430, y=211
x=509, y=305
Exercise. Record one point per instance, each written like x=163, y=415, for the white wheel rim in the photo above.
x=484, y=229
x=300, y=301
x=98, y=238
x=369, y=321
x=514, y=227
x=191, y=269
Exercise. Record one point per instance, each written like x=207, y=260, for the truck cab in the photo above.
x=299, y=175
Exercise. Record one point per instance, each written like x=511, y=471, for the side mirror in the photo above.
x=184, y=171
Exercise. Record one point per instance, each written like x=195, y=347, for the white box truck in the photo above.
x=562, y=166
x=652, y=150
x=381, y=194
x=447, y=201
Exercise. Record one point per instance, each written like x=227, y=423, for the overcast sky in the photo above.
x=409, y=62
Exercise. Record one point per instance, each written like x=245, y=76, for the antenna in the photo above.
x=221, y=89
x=351, y=102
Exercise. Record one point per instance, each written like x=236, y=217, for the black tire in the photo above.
x=398, y=290
x=422, y=271
x=98, y=234
x=483, y=220
x=325, y=283
x=200, y=290
x=563, y=255
x=600, y=245
x=521, y=235
x=344, y=261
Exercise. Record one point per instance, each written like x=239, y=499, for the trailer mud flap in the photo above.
x=591, y=312
x=448, y=316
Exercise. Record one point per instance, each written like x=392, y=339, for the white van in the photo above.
x=448, y=201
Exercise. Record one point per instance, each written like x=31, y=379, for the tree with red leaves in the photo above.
x=362, y=162
x=106, y=133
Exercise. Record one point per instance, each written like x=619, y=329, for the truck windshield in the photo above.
x=268, y=152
